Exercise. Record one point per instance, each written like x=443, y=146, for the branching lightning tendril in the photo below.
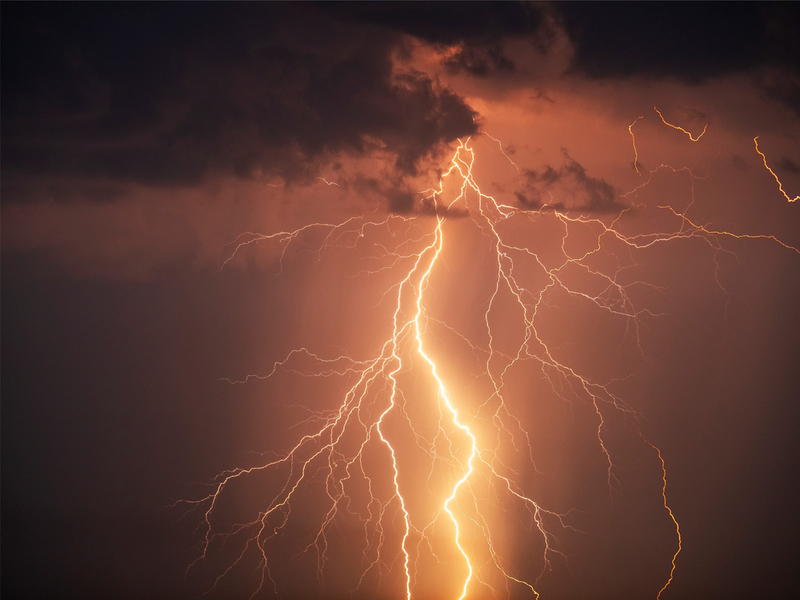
x=681, y=129
x=399, y=403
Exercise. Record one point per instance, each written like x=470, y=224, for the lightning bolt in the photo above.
x=445, y=397
x=633, y=141
x=681, y=129
x=400, y=460
x=778, y=181
x=663, y=120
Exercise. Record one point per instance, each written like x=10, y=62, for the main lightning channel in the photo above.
x=444, y=396
x=778, y=181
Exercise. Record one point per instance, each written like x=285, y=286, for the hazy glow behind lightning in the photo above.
x=324, y=452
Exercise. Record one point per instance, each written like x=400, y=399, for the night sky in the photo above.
x=140, y=140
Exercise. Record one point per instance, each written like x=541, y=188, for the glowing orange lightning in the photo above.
x=359, y=451
x=780, y=185
x=691, y=137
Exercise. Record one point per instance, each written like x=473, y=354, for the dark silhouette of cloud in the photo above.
x=687, y=41
x=402, y=199
x=479, y=60
x=526, y=202
x=690, y=41
x=590, y=194
x=783, y=86
x=428, y=206
x=445, y=23
x=166, y=94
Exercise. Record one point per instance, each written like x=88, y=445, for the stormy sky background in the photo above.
x=139, y=140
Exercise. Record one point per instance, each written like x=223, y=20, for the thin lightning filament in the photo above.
x=414, y=471
x=778, y=181
x=681, y=129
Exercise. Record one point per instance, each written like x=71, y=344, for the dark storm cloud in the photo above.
x=687, y=40
x=591, y=194
x=399, y=196
x=783, y=85
x=166, y=93
x=474, y=31
x=479, y=60
x=447, y=22
x=402, y=199
x=429, y=206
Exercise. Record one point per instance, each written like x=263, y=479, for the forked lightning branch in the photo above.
x=421, y=480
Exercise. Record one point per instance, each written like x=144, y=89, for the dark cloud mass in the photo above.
x=474, y=30
x=687, y=40
x=449, y=23
x=479, y=60
x=165, y=94
x=590, y=194
x=782, y=85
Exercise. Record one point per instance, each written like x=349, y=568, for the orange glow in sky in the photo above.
x=401, y=300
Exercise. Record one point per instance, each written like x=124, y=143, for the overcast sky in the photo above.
x=139, y=140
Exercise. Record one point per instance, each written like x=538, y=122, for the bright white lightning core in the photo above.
x=422, y=478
